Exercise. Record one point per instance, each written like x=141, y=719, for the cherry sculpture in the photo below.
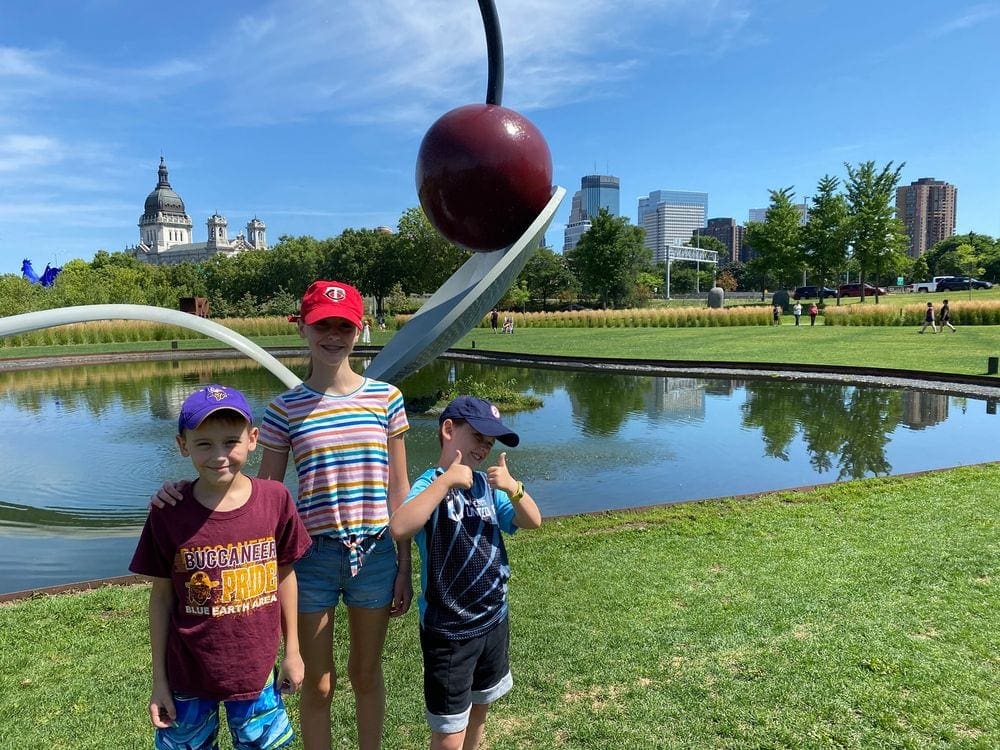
x=484, y=172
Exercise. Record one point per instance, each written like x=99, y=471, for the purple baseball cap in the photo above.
x=208, y=400
x=483, y=416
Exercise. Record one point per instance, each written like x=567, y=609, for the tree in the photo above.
x=608, y=257
x=941, y=258
x=375, y=263
x=825, y=235
x=919, y=271
x=775, y=242
x=546, y=275
x=875, y=233
x=968, y=262
x=428, y=258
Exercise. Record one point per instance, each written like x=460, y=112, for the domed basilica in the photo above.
x=165, y=230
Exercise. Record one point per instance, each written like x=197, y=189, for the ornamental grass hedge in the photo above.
x=975, y=312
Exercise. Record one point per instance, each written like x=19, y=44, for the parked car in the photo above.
x=813, y=292
x=854, y=290
x=955, y=283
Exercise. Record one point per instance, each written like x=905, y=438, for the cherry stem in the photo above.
x=494, y=51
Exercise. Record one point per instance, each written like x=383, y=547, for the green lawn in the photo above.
x=895, y=347
x=864, y=614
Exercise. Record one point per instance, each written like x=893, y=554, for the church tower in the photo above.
x=164, y=222
x=217, y=231
x=257, y=233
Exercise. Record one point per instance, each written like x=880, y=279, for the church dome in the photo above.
x=163, y=198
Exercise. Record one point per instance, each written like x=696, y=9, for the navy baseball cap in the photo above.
x=208, y=400
x=483, y=416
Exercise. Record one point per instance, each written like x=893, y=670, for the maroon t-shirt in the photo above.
x=225, y=627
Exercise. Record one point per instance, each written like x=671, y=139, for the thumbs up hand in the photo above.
x=499, y=477
x=458, y=475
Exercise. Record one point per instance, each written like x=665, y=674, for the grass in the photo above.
x=862, y=614
x=963, y=352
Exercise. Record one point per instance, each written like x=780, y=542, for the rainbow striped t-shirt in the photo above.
x=339, y=446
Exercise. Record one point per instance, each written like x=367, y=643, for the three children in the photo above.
x=345, y=434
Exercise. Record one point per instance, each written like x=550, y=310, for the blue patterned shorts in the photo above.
x=256, y=724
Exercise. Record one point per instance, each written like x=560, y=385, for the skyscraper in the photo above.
x=729, y=233
x=927, y=208
x=596, y=191
x=670, y=217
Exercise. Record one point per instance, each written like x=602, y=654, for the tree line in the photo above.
x=851, y=230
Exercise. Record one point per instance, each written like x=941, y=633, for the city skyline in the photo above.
x=311, y=115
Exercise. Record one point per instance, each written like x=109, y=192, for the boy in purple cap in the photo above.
x=224, y=590
x=456, y=515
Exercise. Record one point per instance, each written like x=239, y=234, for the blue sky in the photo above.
x=309, y=113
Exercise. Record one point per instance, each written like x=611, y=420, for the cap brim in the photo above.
x=315, y=316
x=494, y=430
x=201, y=417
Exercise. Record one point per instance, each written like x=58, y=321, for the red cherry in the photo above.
x=484, y=173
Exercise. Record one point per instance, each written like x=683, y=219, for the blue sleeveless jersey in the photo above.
x=464, y=569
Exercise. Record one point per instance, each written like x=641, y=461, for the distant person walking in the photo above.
x=366, y=332
x=494, y=319
x=945, y=316
x=813, y=312
x=776, y=314
x=928, y=319
x=797, y=312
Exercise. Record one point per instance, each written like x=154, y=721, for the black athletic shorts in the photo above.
x=460, y=673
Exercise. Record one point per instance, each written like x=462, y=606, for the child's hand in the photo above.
x=499, y=478
x=161, y=707
x=291, y=673
x=168, y=494
x=459, y=476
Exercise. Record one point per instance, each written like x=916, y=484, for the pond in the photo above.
x=84, y=447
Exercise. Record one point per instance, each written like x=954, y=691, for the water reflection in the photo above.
x=85, y=446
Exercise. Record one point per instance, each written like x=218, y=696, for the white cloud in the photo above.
x=21, y=152
x=970, y=17
x=408, y=62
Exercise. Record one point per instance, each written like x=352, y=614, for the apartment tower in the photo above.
x=927, y=208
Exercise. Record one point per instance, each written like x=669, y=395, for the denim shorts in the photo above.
x=256, y=724
x=324, y=575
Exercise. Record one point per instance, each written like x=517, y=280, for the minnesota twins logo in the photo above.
x=335, y=293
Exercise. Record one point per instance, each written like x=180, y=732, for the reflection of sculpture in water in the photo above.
x=829, y=416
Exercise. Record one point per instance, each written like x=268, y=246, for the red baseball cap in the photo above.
x=331, y=299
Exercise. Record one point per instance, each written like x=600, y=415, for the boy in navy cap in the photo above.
x=224, y=589
x=457, y=515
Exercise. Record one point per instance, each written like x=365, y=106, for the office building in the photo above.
x=730, y=234
x=670, y=217
x=927, y=209
x=760, y=214
x=596, y=191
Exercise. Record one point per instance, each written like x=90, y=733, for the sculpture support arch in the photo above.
x=34, y=321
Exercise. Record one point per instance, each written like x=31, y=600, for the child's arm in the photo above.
x=292, y=669
x=526, y=513
x=399, y=487
x=273, y=464
x=161, y=702
x=410, y=517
